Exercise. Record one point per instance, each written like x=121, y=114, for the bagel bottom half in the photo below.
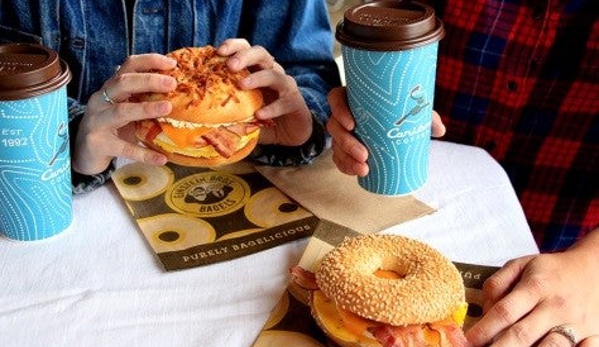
x=148, y=131
x=387, y=290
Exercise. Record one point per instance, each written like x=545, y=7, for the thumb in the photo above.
x=438, y=128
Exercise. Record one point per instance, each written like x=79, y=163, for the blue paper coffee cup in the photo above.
x=35, y=171
x=389, y=53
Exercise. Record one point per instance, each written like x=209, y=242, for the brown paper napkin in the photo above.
x=334, y=196
x=192, y=217
x=290, y=322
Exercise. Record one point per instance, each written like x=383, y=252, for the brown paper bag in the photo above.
x=193, y=217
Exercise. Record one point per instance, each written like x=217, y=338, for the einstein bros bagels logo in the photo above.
x=208, y=194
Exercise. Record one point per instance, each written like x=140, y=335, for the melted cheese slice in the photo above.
x=186, y=134
x=168, y=144
x=183, y=137
x=349, y=327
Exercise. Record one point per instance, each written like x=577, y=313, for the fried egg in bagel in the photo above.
x=212, y=121
x=387, y=290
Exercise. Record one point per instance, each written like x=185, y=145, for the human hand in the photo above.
x=531, y=295
x=107, y=128
x=283, y=101
x=349, y=154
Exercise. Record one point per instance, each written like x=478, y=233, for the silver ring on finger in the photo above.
x=107, y=99
x=566, y=332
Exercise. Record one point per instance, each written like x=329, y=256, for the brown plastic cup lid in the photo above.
x=389, y=25
x=29, y=70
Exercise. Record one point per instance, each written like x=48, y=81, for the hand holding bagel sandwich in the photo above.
x=107, y=128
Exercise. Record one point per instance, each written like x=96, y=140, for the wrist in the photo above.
x=280, y=155
x=588, y=244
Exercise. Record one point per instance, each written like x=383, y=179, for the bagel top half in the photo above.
x=391, y=279
x=207, y=91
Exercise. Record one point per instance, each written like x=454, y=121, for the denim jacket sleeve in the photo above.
x=277, y=155
x=304, y=47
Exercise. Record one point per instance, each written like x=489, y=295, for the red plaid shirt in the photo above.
x=520, y=78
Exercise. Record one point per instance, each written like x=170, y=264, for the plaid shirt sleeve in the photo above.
x=521, y=79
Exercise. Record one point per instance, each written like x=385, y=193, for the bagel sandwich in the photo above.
x=212, y=121
x=386, y=291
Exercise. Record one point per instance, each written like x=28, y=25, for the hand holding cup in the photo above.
x=389, y=53
x=349, y=154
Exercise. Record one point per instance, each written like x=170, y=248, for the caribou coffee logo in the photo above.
x=208, y=194
x=416, y=102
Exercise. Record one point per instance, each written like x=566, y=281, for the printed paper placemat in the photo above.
x=194, y=217
x=290, y=322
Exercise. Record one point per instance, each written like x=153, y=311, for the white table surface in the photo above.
x=99, y=284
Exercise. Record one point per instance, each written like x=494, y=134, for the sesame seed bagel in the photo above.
x=430, y=287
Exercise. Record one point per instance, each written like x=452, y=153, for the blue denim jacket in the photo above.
x=93, y=38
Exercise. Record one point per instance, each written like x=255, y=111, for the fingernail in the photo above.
x=159, y=159
x=169, y=82
x=223, y=49
x=163, y=107
x=246, y=82
x=260, y=114
x=234, y=63
x=358, y=154
x=171, y=61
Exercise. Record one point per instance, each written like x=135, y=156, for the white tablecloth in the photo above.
x=98, y=284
